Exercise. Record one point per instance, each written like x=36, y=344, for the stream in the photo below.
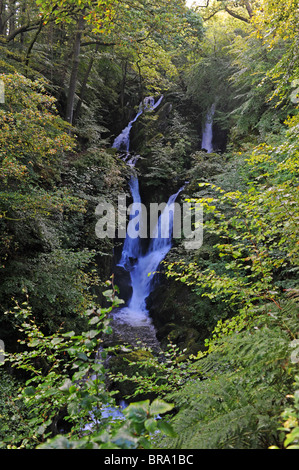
x=132, y=324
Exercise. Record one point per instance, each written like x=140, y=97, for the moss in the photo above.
x=130, y=364
x=186, y=338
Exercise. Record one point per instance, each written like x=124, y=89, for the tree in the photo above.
x=242, y=10
x=277, y=24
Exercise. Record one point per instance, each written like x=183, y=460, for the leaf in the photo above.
x=73, y=408
x=92, y=333
x=138, y=411
x=65, y=386
x=35, y=342
x=150, y=425
x=56, y=341
x=159, y=407
x=94, y=320
x=82, y=356
x=69, y=334
x=166, y=428
x=29, y=391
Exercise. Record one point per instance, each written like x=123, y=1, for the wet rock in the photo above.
x=170, y=302
x=134, y=336
x=122, y=280
x=130, y=364
x=185, y=338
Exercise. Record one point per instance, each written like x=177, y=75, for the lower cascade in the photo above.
x=142, y=266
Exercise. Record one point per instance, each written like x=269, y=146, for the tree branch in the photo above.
x=101, y=43
x=22, y=29
x=236, y=15
x=32, y=43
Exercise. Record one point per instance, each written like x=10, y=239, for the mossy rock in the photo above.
x=121, y=363
x=185, y=338
x=170, y=303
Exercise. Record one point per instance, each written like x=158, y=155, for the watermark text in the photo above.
x=163, y=221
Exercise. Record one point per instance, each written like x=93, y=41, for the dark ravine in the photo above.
x=133, y=324
x=144, y=325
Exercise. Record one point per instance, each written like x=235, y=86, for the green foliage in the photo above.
x=48, y=195
x=254, y=113
x=236, y=392
x=256, y=229
x=208, y=79
x=169, y=153
x=153, y=374
x=290, y=417
x=57, y=284
x=239, y=392
x=140, y=422
x=239, y=389
x=66, y=378
x=276, y=25
x=14, y=425
x=29, y=112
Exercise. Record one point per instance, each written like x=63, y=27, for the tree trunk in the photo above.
x=33, y=41
x=12, y=18
x=2, y=18
x=83, y=86
x=74, y=73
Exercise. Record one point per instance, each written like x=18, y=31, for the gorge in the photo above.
x=140, y=259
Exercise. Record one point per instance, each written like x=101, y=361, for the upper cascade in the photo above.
x=122, y=141
x=207, y=132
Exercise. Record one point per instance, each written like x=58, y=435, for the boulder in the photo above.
x=122, y=280
x=185, y=338
x=120, y=363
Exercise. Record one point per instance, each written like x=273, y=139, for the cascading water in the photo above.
x=122, y=141
x=132, y=247
x=142, y=272
x=207, y=132
x=142, y=266
x=136, y=314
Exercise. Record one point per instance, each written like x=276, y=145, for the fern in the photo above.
x=247, y=378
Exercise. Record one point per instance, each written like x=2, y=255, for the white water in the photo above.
x=143, y=271
x=132, y=246
x=207, y=132
x=122, y=141
x=142, y=267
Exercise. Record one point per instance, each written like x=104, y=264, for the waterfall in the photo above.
x=143, y=271
x=122, y=141
x=137, y=264
x=132, y=246
x=207, y=132
x=143, y=266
